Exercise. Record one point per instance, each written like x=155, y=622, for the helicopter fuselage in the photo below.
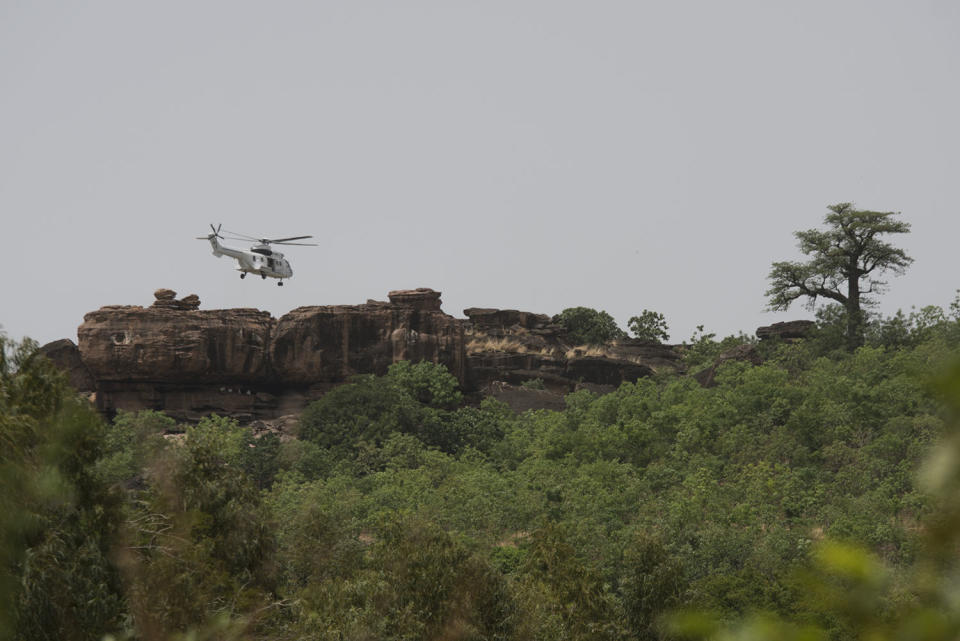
x=259, y=260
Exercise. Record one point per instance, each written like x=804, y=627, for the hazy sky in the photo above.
x=532, y=155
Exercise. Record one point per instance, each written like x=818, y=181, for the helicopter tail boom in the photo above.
x=216, y=245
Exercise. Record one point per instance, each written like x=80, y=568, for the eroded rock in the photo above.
x=245, y=363
x=787, y=330
x=188, y=362
x=66, y=356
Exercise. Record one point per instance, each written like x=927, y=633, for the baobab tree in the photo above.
x=846, y=260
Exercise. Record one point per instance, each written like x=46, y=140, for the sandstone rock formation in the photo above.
x=243, y=362
x=507, y=345
x=188, y=362
x=185, y=362
x=321, y=346
x=787, y=330
x=66, y=356
x=166, y=298
x=656, y=356
x=421, y=299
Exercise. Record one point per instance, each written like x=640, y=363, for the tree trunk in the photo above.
x=854, y=314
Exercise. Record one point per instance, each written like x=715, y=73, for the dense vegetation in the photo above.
x=788, y=489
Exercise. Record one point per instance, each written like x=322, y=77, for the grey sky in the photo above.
x=532, y=155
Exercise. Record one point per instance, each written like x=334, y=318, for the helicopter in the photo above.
x=260, y=259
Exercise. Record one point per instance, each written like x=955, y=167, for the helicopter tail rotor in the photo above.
x=215, y=234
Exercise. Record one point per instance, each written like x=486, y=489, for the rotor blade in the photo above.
x=242, y=236
x=213, y=228
x=235, y=238
x=203, y=238
x=282, y=240
x=302, y=244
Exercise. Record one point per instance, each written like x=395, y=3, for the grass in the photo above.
x=478, y=345
x=590, y=350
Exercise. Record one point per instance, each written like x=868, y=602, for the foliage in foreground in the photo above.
x=785, y=497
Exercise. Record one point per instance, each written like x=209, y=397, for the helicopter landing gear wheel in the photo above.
x=243, y=274
x=263, y=276
x=279, y=283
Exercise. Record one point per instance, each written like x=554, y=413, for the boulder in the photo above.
x=164, y=294
x=166, y=299
x=788, y=330
x=421, y=298
x=189, y=302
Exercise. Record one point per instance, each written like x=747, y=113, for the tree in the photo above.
x=649, y=326
x=588, y=326
x=846, y=260
x=368, y=408
x=430, y=383
x=57, y=519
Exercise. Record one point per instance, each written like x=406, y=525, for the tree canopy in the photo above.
x=588, y=326
x=649, y=326
x=846, y=260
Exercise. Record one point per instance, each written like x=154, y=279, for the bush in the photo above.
x=586, y=326
x=429, y=383
x=367, y=409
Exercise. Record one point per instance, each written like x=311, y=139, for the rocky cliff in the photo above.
x=188, y=362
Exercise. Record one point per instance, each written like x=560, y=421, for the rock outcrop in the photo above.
x=322, y=346
x=656, y=356
x=188, y=362
x=167, y=299
x=66, y=356
x=185, y=362
x=788, y=330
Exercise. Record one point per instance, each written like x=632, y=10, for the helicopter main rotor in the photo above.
x=269, y=241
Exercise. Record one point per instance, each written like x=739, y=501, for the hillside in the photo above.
x=786, y=485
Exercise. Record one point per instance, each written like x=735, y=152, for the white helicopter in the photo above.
x=260, y=259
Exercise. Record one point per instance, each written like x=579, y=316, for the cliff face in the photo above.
x=189, y=362
x=124, y=343
x=242, y=362
x=325, y=345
